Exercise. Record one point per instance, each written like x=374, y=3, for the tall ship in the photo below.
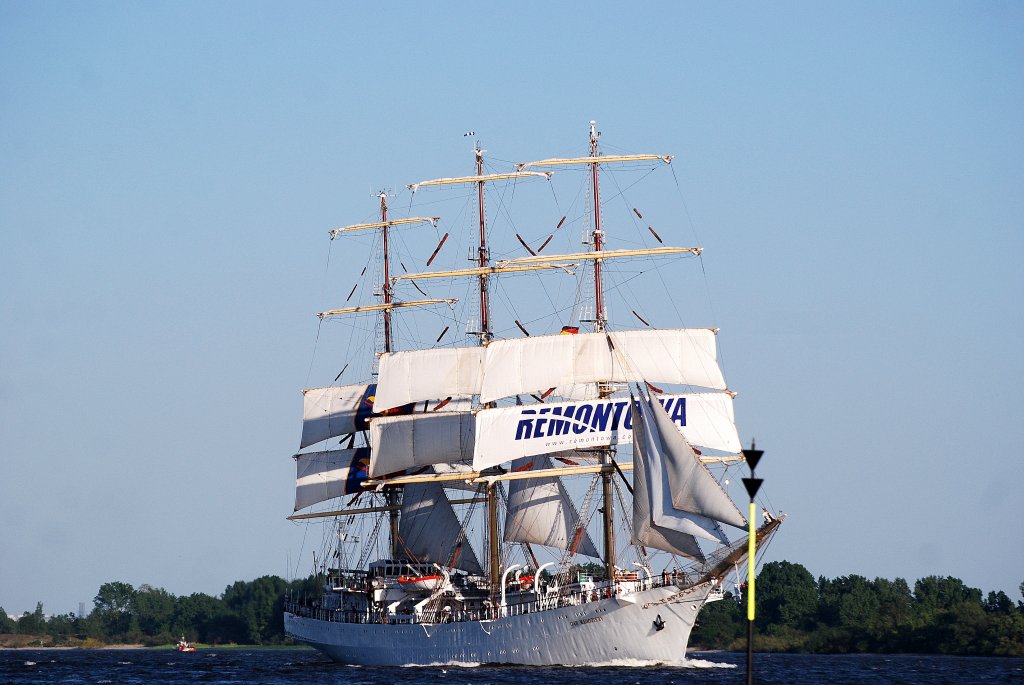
x=526, y=459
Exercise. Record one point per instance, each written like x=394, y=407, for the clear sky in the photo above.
x=168, y=172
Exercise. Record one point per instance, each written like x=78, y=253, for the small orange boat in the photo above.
x=420, y=582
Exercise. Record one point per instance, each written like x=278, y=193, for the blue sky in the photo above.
x=170, y=171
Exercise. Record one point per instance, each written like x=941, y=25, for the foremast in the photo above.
x=391, y=495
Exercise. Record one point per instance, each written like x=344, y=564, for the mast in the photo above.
x=387, y=274
x=391, y=494
x=485, y=330
x=599, y=316
x=493, y=538
x=600, y=323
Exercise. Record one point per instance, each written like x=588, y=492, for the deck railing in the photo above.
x=552, y=600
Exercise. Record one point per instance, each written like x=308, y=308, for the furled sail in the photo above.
x=403, y=442
x=430, y=530
x=448, y=469
x=693, y=487
x=505, y=433
x=541, y=512
x=645, y=532
x=415, y=375
x=525, y=365
x=320, y=476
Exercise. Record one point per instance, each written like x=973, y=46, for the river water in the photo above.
x=287, y=667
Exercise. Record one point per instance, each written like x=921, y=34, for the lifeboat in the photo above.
x=420, y=582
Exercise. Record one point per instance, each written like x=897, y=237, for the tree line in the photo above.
x=851, y=614
x=248, y=612
x=795, y=613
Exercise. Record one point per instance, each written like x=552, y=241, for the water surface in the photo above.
x=294, y=667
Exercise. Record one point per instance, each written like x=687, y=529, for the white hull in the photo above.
x=595, y=632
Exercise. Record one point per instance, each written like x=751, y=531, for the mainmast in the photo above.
x=600, y=323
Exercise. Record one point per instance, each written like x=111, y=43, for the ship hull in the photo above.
x=603, y=631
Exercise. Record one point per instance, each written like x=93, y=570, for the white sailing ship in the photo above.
x=472, y=484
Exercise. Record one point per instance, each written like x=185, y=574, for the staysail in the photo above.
x=645, y=532
x=430, y=530
x=682, y=356
x=693, y=487
x=320, y=476
x=658, y=490
x=541, y=512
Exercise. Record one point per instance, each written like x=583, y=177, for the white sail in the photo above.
x=527, y=365
x=505, y=433
x=430, y=531
x=541, y=512
x=320, y=476
x=645, y=532
x=659, y=493
x=329, y=412
x=416, y=375
x=403, y=442
x=693, y=487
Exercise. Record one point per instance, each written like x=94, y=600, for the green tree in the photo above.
x=34, y=623
x=895, y=610
x=62, y=626
x=7, y=624
x=260, y=606
x=719, y=624
x=114, y=608
x=998, y=603
x=200, y=617
x=786, y=595
x=1006, y=633
x=948, y=617
x=934, y=593
x=154, y=610
x=851, y=604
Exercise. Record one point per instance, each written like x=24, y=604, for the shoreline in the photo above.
x=157, y=648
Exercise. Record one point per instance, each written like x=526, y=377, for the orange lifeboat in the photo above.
x=420, y=582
